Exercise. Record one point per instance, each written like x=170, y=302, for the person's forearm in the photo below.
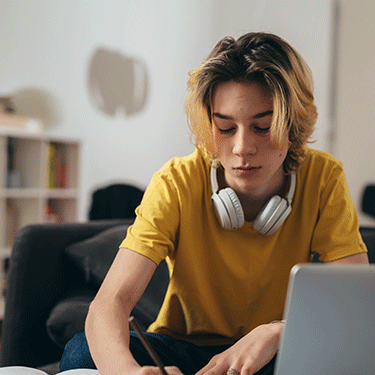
x=107, y=333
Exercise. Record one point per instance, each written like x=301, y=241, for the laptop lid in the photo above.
x=330, y=321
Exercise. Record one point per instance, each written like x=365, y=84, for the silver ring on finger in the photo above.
x=232, y=371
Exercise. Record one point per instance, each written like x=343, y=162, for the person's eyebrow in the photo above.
x=263, y=114
x=257, y=116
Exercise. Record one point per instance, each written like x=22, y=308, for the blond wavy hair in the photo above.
x=267, y=59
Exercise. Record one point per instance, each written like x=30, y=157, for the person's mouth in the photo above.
x=245, y=170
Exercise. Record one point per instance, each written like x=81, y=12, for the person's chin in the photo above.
x=248, y=187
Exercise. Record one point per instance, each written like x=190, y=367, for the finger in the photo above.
x=206, y=369
x=221, y=368
x=173, y=370
x=153, y=370
x=234, y=370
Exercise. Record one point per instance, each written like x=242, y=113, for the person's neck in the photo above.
x=253, y=202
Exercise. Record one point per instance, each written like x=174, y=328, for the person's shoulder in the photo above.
x=318, y=170
x=194, y=164
x=320, y=159
x=195, y=160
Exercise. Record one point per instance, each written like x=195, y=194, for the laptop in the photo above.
x=330, y=321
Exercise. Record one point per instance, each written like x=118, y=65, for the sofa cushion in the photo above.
x=148, y=306
x=67, y=318
x=368, y=236
x=95, y=255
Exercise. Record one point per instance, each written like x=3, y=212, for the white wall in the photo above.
x=46, y=48
x=306, y=25
x=355, y=97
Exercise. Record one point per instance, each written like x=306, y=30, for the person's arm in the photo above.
x=250, y=354
x=360, y=258
x=107, y=328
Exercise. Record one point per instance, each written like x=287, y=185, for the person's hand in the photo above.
x=153, y=370
x=248, y=355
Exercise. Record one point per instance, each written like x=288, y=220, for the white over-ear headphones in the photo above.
x=229, y=211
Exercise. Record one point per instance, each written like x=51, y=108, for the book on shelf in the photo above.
x=57, y=168
x=4, y=267
x=60, y=167
x=13, y=175
x=4, y=276
x=51, y=167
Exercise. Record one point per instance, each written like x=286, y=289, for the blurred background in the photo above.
x=113, y=75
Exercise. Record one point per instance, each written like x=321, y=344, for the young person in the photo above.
x=231, y=220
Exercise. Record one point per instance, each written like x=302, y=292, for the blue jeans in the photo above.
x=189, y=358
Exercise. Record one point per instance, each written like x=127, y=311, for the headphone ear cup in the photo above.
x=272, y=215
x=228, y=209
x=220, y=211
x=235, y=209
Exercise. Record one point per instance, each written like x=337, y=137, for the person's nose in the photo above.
x=244, y=143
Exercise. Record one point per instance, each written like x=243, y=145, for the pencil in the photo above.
x=147, y=345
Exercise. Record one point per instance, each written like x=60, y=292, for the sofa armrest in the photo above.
x=39, y=274
x=368, y=236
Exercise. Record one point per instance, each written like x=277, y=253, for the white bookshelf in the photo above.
x=25, y=199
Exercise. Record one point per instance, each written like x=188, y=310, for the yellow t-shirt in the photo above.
x=225, y=283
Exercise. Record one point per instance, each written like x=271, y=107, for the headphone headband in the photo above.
x=292, y=187
x=213, y=175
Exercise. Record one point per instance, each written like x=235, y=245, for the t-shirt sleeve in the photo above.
x=155, y=229
x=336, y=234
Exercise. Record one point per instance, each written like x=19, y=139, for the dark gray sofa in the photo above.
x=55, y=271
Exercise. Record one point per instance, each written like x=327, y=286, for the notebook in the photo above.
x=22, y=370
x=330, y=321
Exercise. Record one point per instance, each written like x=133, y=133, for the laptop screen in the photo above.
x=330, y=321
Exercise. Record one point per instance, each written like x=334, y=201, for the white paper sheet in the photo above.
x=21, y=370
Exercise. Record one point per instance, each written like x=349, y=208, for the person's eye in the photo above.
x=225, y=131
x=262, y=130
